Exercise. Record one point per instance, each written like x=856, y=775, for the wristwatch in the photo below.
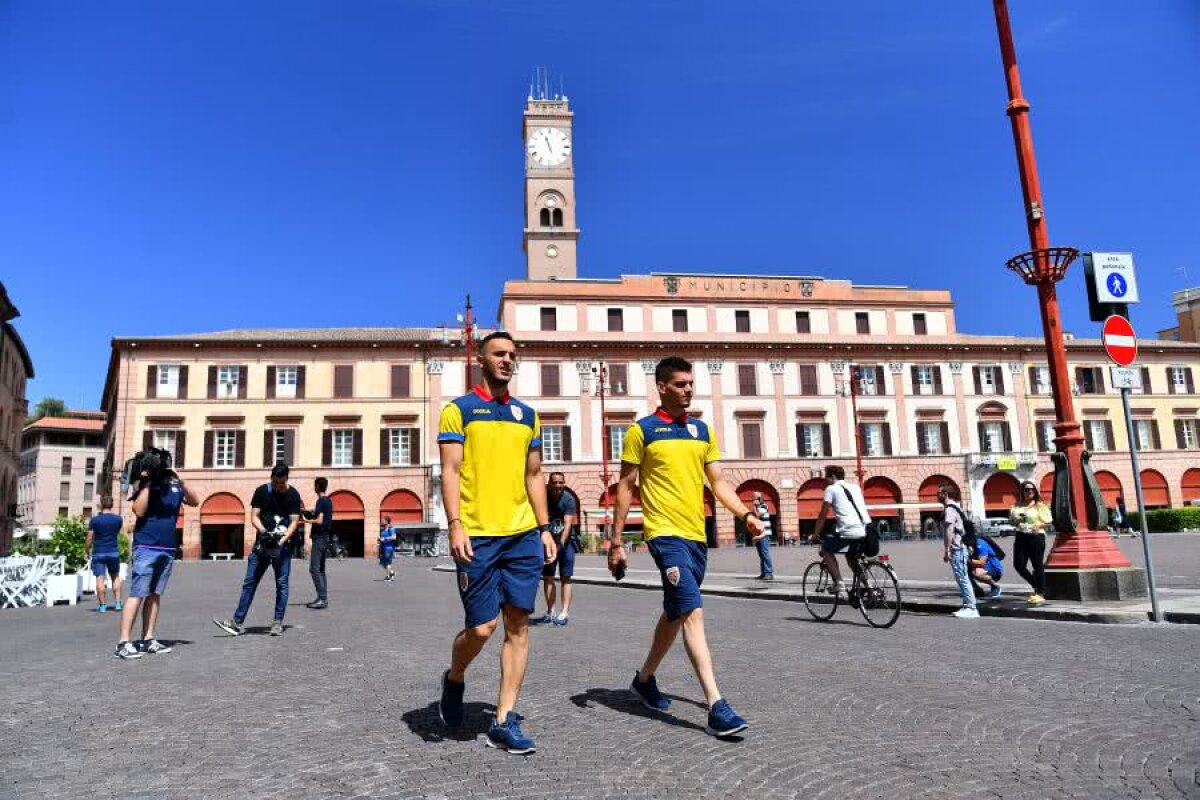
x=746, y=516
x=543, y=528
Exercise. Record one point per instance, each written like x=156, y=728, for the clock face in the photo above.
x=548, y=147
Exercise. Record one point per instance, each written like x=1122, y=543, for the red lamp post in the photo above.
x=469, y=336
x=1082, y=551
x=602, y=377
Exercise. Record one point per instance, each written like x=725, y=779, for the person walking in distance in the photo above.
x=766, y=570
x=846, y=503
x=156, y=503
x=495, y=500
x=103, y=544
x=1031, y=517
x=275, y=515
x=321, y=520
x=562, y=512
x=387, y=549
x=671, y=454
x=954, y=549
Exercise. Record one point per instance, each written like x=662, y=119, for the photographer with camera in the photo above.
x=156, y=501
x=275, y=517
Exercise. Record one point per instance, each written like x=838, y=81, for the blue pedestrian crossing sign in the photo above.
x=1114, y=278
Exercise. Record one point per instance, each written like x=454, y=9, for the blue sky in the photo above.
x=209, y=164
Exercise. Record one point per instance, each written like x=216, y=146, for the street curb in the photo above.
x=1050, y=614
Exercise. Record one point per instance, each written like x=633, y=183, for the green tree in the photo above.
x=49, y=407
x=68, y=539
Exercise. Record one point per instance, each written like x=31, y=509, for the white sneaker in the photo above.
x=966, y=613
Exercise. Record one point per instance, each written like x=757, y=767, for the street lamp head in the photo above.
x=1047, y=265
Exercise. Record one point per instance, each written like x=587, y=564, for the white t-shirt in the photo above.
x=849, y=524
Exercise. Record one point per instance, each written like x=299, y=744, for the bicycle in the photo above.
x=875, y=590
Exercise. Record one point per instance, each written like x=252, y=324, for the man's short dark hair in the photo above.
x=322, y=484
x=492, y=337
x=835, y=472
x=106, y=501
x=559, y=474
x=951, y=491
x=280, y=470
x=669, y=366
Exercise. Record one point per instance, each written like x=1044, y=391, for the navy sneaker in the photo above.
x=562, y=621
x=648, y=693
x=722, y=721
x=509, y=736
x=545, y=619
x=126, y=651
x=450, y=707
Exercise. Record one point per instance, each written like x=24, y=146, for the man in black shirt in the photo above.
x=275, y=519
x=321, y=520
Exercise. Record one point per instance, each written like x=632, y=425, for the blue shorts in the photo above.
x=505, y=570
x=564, y=563
x=106, y=563
x=681, y=563
x=834, y=543
x=386, y=555
x=151, y=571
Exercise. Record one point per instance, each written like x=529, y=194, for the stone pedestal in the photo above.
x=1096, y=584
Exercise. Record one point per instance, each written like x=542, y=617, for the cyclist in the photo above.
x=849, y=508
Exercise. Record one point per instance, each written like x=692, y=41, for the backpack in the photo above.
x=997, y=549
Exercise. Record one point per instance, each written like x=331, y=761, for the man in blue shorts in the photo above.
x=562, y=512
x=156, y=503
x=672, y=453
x=103, y=534
x=387, y=549
x=495, y=499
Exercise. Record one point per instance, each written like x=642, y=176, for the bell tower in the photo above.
x=551, y=232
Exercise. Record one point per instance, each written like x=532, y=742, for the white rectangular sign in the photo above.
x=1114, y=277
x=1125, y=377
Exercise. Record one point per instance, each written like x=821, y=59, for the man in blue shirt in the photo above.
x=321, y=520
x=561, y=507
x=156, y=505
x=387, y=549
x=103, y=533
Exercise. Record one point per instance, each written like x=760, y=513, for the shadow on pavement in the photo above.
x=835, y=620
x=624, y=701
x=426, y=723
x=176, y=642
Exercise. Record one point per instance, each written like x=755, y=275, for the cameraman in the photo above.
x=275, y=517
x=156, y=501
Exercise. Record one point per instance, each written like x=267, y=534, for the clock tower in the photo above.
x=551, y=234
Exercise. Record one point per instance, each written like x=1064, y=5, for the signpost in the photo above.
x=1120, y=342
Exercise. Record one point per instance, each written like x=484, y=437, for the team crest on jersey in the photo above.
x=463, y=580
x=693, y=430
x=673, y=575
x=517, y=413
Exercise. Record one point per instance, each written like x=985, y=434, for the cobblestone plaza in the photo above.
x=343, y=704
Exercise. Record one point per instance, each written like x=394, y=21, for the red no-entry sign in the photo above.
x=1119, y=341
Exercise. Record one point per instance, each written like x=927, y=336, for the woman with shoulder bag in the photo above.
x=1032, y=519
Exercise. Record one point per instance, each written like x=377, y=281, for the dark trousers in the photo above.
x=256, y=567
x=1029, y=554
x=316, y=565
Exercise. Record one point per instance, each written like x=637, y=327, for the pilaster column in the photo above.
x=845, y=439
x=648, y=366
x=960, y=406
x=586, y=425
x=1025, y=435
x=784, y=447
x=715, y=368
x=433, y=411
x=902, y=421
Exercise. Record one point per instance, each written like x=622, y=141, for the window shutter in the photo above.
x=978, y=380
x=550, y=383
x=887, y=438
x=861, y=444
x=1157, y=440
x=147, y=439
x=916, y=383
x=1033, y=384
x=242, y=380
x=212, y=382
x=300, y=382
x=937, y=379
x=800, y=440
x=880, y=386
x=239, y=449
x=1191, y=387
x=1146, y=387
x=271, y=382
x=826, y=439
x=268, y=456
x=1180, y=442
x=808, y=379
x=982, y=437
x=358, y=447
x=998, y=379
x=385, y=450
x=183, y=382
x=180, y=449
x=1108, y=432
x=1087, y=436
x=945, y=426
x=921, y=448
x=401, y=386
x=152, y=381
x=1006, y=437
x=1170, y=381
x=414, y=447
x=208, y=449
x=752, y=441
x=1040, y=432
x=289, y=447
x=326, y=448
x=1079, y=379
x=566, y=444
x=343, y=380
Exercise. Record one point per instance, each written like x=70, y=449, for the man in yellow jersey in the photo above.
x=672, y=454
x=495, y=500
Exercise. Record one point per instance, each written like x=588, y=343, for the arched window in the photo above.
x=544, y=218
x=557, y=218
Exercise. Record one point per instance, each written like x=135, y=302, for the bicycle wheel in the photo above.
x=878, y=594
x=820, y=596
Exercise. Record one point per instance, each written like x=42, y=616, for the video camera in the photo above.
x=153, y=462
x=268, y=541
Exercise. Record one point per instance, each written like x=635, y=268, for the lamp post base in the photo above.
x=1096, y=584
